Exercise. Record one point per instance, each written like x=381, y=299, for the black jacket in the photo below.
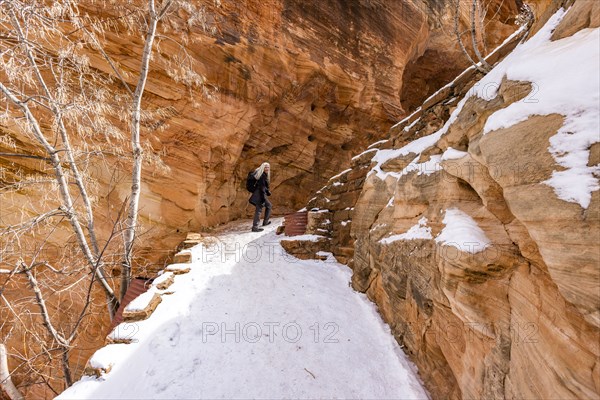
x=261, y=191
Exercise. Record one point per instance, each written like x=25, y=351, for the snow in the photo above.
x=346, y=222
x=108, y=356
x=390, y=202
x=308, y=238
x=369, y=150
x=430, y=166
x=418, y=231
x=408, y=127
x=340, y=174
x=375, y=144
x=162, y=278
x=377, y=226
x=416, y=146
x=178, y=267
x=141, y=302
x=4, y=271
x=453, y=154
x=565, y=80
x=246, y=327
x=124, y=331
x=461, y=231
x=407, y=118
x=421, y=144
x=425, y=168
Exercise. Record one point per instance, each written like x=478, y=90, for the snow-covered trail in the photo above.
x=250, y=321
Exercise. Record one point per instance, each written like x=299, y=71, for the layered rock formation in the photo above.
x=485, y=274
x=305, y=85
x=301, y=84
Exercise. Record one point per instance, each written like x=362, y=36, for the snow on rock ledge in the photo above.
x=142, y=306
x=461, y=231
x=178, y=269
x=103, y=359
x=418, y=231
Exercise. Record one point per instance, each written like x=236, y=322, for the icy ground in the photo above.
x=250, y=321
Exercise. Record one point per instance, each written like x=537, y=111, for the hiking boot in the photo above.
x=266, y=223
x=257, y=229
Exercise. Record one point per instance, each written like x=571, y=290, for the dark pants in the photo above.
x=259, y=207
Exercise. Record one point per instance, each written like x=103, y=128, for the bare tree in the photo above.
x=480, y=64
x=69, y=117
x=47, y=81
x=6, y=383
x=477, y=16
x=155, y=15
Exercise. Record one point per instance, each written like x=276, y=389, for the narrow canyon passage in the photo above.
x=250, y=321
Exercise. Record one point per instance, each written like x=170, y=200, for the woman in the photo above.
x=259, y=199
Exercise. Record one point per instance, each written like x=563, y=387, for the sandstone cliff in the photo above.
x=304, y=85
x=484, y=265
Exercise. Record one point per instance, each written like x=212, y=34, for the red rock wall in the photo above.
x=302, y=84
x=518, y=319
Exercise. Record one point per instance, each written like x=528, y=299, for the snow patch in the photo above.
x=416, y=146
x=124, y=331
x=390, y=202
x=453, y=154
x=340, y=174
x=307, y=238
x=108, y=356
x=369, y=150
x=142, y=301
x=376, y=143
x=418, y=231
x=407, y=128
x=461, y=231
x=163, y=277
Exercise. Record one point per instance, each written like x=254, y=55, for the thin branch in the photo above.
x=43, y=308
x=459, y=38
x=487, y=67
x=24, y=156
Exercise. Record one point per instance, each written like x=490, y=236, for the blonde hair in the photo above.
x=259, y=171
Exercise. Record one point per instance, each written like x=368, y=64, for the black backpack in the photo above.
x=251, y=182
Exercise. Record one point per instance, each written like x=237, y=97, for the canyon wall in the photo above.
x=304, y=85
x=486, y=273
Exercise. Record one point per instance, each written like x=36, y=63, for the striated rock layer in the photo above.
x=489, y=280
x=301, y=84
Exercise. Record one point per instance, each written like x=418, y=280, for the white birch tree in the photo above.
x=72, y=116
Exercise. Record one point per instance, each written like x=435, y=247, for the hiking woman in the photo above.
x=259, y=199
